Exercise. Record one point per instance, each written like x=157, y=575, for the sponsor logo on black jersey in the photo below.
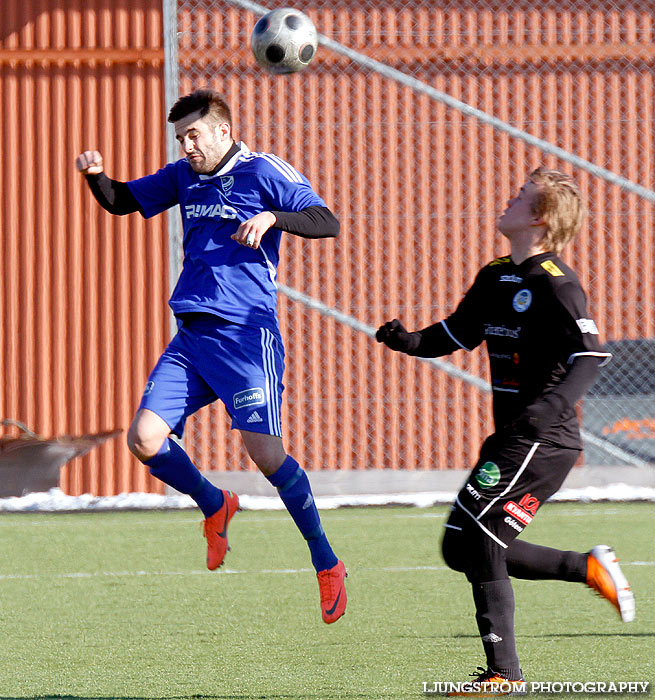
x=529, y=503
x=502, y=331
x=511, y=278
x=512, y=523
x=475, y=493
x=499, y=261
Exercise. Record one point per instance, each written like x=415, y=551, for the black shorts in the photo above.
x=511, y=480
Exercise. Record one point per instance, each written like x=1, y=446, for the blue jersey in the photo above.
x=219, y=275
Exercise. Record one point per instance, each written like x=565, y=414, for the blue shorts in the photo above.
x=210, y=359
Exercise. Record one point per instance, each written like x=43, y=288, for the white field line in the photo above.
x=258, y=520
x=231, y=572
x=248, y=519
x=201, y=572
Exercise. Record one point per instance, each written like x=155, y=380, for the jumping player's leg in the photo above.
x=248, y=379
x=245, y=371
x=291, y=482
x=148, y=439
x=173, y=392
x=293, y=486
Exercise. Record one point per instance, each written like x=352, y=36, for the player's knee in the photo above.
x=266, y=451
x=139, y=446
x=146, y=434
x=143, y=444
x=453, y=550
x=267, y=463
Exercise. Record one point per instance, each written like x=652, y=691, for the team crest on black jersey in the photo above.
x=522, y=300
x=227, y=183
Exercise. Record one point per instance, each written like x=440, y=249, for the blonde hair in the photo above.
x=558, y=202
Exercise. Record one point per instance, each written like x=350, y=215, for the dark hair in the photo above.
x=204, y=100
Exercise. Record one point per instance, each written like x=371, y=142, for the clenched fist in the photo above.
x=394, y=335
x=89, y=163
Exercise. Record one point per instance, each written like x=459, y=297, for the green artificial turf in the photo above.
x=119, y=605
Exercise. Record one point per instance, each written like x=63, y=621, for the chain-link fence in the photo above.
x=415, y=122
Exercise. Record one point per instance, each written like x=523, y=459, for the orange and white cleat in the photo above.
x=332, y=587
x=215, y=530
x=604, y=575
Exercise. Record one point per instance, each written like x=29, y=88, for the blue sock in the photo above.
x=173, y=466
x=296, y=494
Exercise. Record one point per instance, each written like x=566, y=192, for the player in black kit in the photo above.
x=544, y=354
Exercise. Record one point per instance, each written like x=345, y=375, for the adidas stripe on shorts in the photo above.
x=211, y=359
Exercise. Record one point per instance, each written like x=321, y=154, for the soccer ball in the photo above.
x=284, y=40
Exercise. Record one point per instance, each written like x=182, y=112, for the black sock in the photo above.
x=494, y=606
x=534, y=562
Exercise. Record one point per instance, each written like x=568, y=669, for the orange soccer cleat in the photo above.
x=215, y=529
x=604, y=575
x=332, y=587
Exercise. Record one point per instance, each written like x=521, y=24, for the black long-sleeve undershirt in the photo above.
x=432, y=341
x=112, y=195
x=311, y=222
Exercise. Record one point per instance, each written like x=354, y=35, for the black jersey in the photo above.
x=533, y=318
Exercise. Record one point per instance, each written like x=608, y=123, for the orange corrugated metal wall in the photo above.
x=417, y=187
x=82, y=314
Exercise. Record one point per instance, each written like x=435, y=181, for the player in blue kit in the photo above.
x=234, y=205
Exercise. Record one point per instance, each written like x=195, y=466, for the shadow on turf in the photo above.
x=569, y=634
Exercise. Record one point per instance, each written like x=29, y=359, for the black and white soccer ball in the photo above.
x=284, y=40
